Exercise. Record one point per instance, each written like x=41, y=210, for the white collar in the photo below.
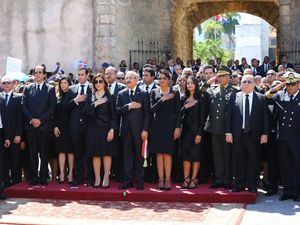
x=41, y=85
x=113, y=85
x=134, y=89
x=8, y=93
x=250, y=95
x=85, y=84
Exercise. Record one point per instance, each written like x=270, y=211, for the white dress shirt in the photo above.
x=150, y=87
x=8, y=98
x=287, y=97
x=244, y=105
x=112, y=87
x=86, y=85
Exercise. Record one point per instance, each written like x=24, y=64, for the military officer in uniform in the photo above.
x=287, y=103
x=219, y=95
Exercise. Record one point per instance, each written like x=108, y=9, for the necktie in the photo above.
x=147, y=88
x=6, y=99
x=131, y=95
x=291, y=98
x=82, y=89
x=266, y=68
x=38, y=91
x=247, y=115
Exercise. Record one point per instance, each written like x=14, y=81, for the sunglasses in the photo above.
x=162, y=78
x=4, y=83
x=38, y=72
x=247, y=82
x=121, y=78
x=98, y=82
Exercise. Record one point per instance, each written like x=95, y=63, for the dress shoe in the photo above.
x=96, y=186
x=252, y=190
x=216, y=185
x=33, y=183
x=77, y=183
x=271, y=193
x=296, y=199
x=140, y=187
x=44, y=182
x=227, y=186
x=126, y=186
x=285, y=197
x=235, y=189
x=3, y=197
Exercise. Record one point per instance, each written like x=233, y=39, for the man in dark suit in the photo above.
x=13, y=126
x=263, y=69
x=246, y=127
x=114, y=88
x=38, y=107
x=148, y=84
x=285, y=63
x=133, y=106
x=75, y=102
x=218, y=97
x=254, y=66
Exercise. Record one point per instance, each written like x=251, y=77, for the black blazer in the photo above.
x=135, y=119
x=39, y=107
x=165, y=112
x=104, y=114
x=259, y=117
x=142, y=85
x=12, y=115
x=78, y=119
x=119, y=87
x=261, y=70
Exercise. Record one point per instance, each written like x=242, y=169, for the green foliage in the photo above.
x=213, y=30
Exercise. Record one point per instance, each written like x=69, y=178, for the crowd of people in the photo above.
x=232, y=121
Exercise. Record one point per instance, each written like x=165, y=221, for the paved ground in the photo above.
x=267, y=210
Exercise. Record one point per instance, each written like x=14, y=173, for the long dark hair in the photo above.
x=60, y=91
x=197, y=90
x=102, y=76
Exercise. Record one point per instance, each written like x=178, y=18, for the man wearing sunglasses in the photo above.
x=13, y=126
x=38, y=108
x=287, y=106
x=246, y=127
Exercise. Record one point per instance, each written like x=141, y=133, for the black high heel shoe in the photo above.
x=167, y=185
x=186, y=181
x=193, y=183
x=161, y=185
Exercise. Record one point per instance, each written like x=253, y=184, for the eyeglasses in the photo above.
x=38, y=72
x=247, y=82
x=162, y=78
x=98, y=82
x=4, y=83
x=121, y=78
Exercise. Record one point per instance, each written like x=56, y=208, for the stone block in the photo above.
x=107, y=19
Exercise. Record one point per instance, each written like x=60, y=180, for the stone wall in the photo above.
x=46, y=31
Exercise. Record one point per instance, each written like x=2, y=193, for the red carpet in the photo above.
x=150, y=194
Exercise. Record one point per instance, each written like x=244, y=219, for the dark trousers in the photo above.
x=272, y=156
x=38, y=143
x=289, y=164
x=12, y=169
x=78, y=145
x=132, y=155
x=247, y=157
x=177, y=164
x=117, y=162
x=207, y=162
x=1, y=160
x=222, y=159
x=151, y=169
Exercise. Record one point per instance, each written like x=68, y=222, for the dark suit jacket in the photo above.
x=142, y=85
x=119, y=87
x=259, y=121
x=41, y=107
x=135, y=119
x=78, y=119
x=12, y=116
x=261, y=70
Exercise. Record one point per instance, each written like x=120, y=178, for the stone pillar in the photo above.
x=104, y=31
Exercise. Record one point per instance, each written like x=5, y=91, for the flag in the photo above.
x=82, y=64
x=145, y=152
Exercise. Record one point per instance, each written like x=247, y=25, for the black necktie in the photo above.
x=291, y=98
x=6, y=99
x=82, y=89
x=147, y=88
x=38, y=91
x=131, y=95
x=247, y=115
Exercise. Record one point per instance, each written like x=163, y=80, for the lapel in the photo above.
x=9, y=101
x=136, y=94
x=116, y=89
x=239, y=99
x=254, y=102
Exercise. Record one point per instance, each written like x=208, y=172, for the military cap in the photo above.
x=223, y=70
x=291, y=77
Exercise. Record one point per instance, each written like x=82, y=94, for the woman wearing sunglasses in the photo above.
x=165, y=126
x=101, y=129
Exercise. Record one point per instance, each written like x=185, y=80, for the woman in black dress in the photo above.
x=101, y=141
x=62, y=141
x=165, y=127
x=193, y=113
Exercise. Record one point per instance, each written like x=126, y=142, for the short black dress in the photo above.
x=192, y=125
x=165, y=118
x=62, y=144
x=100, y=120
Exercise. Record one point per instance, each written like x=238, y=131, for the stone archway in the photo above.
x=187, y=14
